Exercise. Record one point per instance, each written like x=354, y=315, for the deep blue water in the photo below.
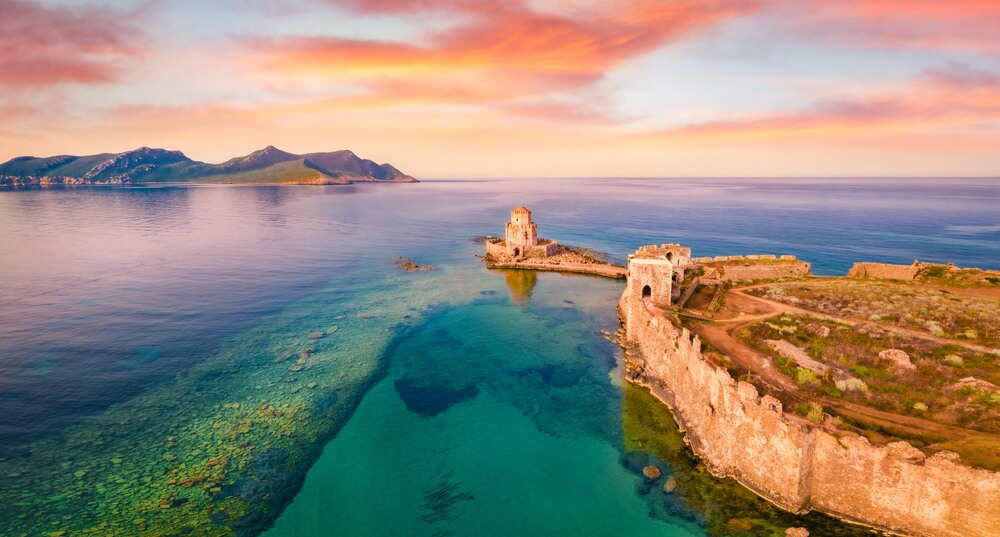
x=160, y=304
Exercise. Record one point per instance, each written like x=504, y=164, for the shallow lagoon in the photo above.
x=148, y=337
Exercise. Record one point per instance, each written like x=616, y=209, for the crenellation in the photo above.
x=797, y=465
x=521, y=239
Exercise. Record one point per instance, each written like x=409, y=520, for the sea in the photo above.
x=250, y=360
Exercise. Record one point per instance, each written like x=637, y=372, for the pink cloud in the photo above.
x=968, y=26
x=43, y=45
x=497, y=52
x=955, y=97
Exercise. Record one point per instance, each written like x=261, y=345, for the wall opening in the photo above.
x=517, y=252
x=647, y=292
x=676, y=277
x=670, y=256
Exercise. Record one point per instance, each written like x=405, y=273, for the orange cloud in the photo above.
x=44, y=45
x=952, y=98
x=498, y=53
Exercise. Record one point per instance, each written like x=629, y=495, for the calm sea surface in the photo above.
x=200, y=360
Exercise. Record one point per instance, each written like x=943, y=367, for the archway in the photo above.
x=647, y=292
x=517, y=252
x=676, y=277
x=670, y=257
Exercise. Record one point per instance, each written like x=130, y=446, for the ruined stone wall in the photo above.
x=751, y=272
x=883, y=271
x=544, y=248
x=796, y=465
x=898, y=488
x=744, y=268
x=737, y=433
x=740, y=258
x=496, y=247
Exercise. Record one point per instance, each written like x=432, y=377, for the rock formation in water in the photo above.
x=148, y=165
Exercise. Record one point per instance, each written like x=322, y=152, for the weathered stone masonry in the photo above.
x=521, y=239
x=796, y=465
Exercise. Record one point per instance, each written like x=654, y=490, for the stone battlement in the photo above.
x=794, y=464
x=521, y=239
x=724, y=258
x=672, y=252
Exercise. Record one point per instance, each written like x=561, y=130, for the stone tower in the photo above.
x=522, y=233
x=654, y=276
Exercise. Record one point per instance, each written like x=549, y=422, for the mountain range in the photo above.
x=150, y=165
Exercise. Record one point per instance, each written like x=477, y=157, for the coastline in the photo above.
x=792, y=464
x=602, y=270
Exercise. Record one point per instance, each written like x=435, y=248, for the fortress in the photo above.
x=792, y=462
x=521, y=239
x=798, y=462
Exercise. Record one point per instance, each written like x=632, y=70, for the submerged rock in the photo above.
x=315, y=335
x=670, y=485
x=651, y=472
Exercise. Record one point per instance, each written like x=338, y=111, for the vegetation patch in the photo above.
x=936, y=387
x=937, y=312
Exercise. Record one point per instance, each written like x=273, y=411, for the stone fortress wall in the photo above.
x=732, y=268
x=884, y=271
x=793, y=463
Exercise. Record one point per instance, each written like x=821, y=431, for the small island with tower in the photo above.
x=521, y=248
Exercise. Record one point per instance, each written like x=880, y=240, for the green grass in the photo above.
x=978, y=451
x=936, y=312
x=855, y=352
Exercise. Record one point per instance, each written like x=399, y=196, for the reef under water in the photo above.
x=221, y=450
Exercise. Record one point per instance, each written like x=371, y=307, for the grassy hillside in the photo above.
x=151, y=165
x=293, y=171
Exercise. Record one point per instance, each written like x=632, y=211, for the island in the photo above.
x=522, y=249
x=150, y=165
x=873, y=397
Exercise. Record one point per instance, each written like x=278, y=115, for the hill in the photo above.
x=149, y=165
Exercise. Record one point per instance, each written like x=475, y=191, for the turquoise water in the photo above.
x=154, y=381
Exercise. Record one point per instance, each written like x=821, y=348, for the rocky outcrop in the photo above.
x=798, y=466
x=899, y=359
x=974, y=384
x=798, y=356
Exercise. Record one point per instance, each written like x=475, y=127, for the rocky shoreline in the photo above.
x=787, y=460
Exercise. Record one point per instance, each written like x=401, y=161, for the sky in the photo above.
x=516, y=88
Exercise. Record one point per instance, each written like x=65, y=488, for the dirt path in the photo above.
x=737, y=351
x=777, y=308
x=720, y=335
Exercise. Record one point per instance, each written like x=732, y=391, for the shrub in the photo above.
x=805, y=376
x=860, y=370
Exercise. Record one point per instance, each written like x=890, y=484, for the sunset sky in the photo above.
x=512, y=88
